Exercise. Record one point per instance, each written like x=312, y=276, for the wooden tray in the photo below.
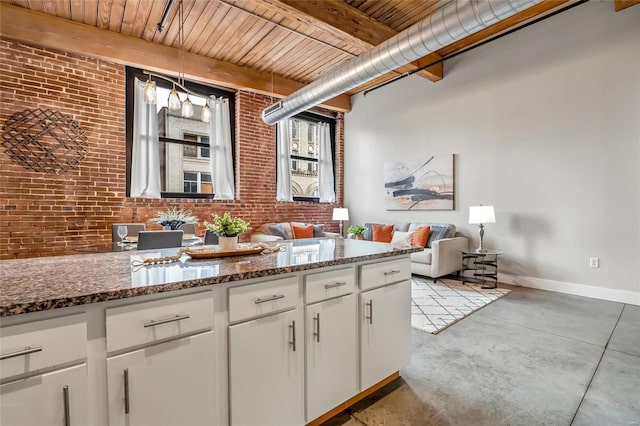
x=208, y=253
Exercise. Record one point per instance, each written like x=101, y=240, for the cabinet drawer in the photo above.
x=326, y=285
x=383, y=273
x=41, y=344
x=255, y=300
x=152, y=322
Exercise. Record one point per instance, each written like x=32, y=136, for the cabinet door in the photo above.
x=331, y=354
x=385, y=332
x=167, y=384
x=41, y=400
x=265, y=371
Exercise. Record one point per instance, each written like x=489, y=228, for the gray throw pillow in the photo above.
x=437, y=233
x=277, y=230
x=318, y=230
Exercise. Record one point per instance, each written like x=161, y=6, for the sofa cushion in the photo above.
x=439, y=232
x=277, y=229
x=318, y=230
x=382, y=233
x=423, y=256
x=420, y=236
x=402, y=238
x=302, y=231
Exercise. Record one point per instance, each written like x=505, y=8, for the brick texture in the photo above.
x=48, y=214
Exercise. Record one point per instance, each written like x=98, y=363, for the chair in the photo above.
x=159, y=239
x=188, y=228
x=210, y=238
x=132, y=230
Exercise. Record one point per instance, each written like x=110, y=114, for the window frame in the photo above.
x=195, y=87
x=316, y=119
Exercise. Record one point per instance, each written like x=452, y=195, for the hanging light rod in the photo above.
x=172, y=81
x=175, y=104
x=165, y=14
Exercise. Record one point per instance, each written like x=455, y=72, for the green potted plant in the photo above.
x=227, y=228
x=173, y=217
x=357, y=231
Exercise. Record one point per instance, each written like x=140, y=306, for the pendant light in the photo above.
x=149, y=93
x=187, y=108
x=174, y=100
x=205, y=115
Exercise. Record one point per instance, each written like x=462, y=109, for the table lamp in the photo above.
x=341, y=214
x=481, y=215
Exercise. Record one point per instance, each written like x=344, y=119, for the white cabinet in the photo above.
x=331, y=354
x=58, y=398
x=160, y=365
x=265, y=371
x=172, y=383
x=44, y=372
x=385, y=332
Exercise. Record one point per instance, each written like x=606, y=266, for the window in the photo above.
x=197, y=182
x=185, y=169
x=304, y=154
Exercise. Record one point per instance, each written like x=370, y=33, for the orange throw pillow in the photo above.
x=421, y=236
x=382, y=233
x=302, y=231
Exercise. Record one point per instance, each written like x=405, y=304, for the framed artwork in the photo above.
x=420, y=185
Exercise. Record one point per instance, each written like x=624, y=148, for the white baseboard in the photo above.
x=621, y=296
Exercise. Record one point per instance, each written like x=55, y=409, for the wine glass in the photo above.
x=122, y=232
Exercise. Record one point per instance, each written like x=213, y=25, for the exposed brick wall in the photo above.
x=44, y=214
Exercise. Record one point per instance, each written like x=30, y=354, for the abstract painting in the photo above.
x=421, y=185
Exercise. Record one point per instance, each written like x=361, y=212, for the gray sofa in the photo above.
x=443, y=253
x=268, y=232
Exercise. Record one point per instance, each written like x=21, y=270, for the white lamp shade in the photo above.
x=481, y=214
x=340, y=214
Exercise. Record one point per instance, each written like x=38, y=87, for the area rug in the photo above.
x=436, y=306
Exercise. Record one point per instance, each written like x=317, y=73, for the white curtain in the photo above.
x=221, y=154
x=283, y=176
x=326, y=188
x=145, y=156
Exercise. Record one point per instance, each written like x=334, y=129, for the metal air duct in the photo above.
x=458, y=19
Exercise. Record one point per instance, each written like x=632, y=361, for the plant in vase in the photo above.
x=357, y=231
x=173, y=217
x=227, y=229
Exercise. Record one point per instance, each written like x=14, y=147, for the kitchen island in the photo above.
x=279, y=338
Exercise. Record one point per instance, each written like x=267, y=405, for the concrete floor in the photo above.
x=531, y=358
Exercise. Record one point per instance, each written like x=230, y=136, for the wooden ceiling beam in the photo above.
x=623, y=4
x=348, y=24
x=36, y=28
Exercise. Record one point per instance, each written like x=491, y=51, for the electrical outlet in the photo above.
x=594, y=262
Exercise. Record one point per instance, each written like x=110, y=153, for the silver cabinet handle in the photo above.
x=126, y=391
x=166, y=320
x=391, y=272
x=370, y=317
x=67, y=411
x=316, y=333
x=26, y=351
x=292, y=327
x=269, y=298
x=338, y=284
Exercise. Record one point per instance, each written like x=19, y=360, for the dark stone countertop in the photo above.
x=38, y=284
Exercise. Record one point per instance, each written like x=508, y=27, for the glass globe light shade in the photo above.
x=174, y=101
x=205, y=116
x=187, y=108
x=150, y=96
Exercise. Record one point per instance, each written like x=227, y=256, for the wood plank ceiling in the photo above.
x=293, y=39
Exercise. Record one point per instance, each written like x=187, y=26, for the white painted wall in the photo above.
x=545, y=125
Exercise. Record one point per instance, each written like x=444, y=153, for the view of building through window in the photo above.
x=184, y=147
x=303, y=149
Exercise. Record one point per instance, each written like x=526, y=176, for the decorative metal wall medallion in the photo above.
x=44, y=140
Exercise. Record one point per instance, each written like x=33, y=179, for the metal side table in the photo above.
x=484, y=267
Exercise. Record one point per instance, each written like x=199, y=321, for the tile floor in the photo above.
x=531, y=358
